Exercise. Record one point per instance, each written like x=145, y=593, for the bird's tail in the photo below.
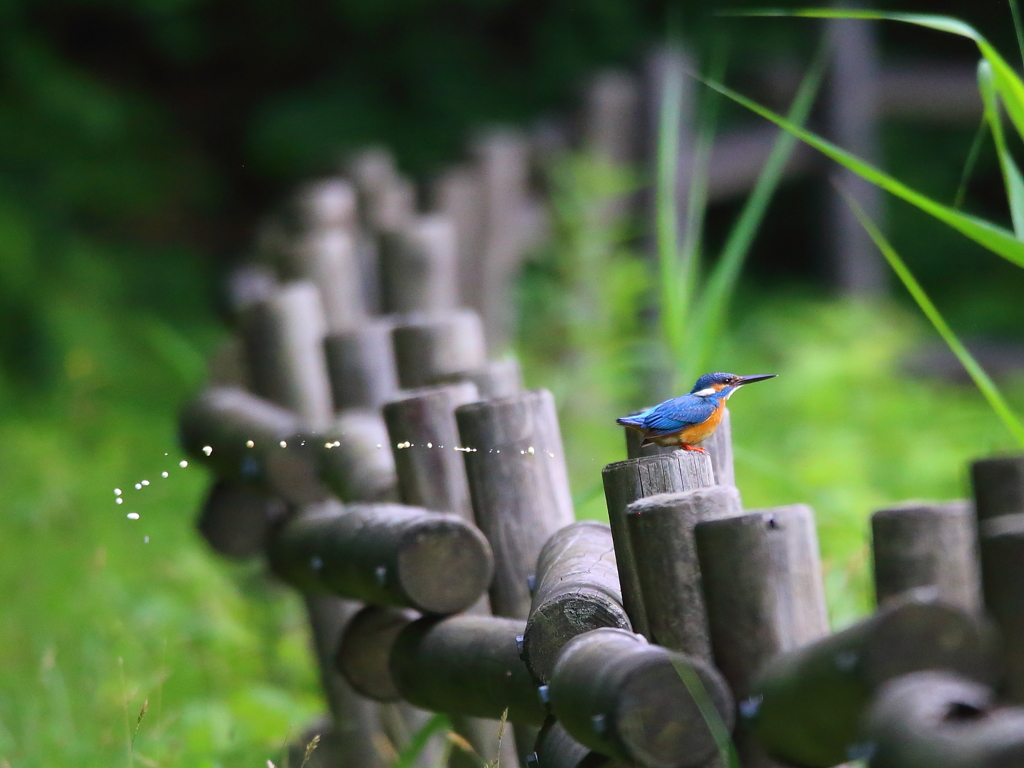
x=629, y=421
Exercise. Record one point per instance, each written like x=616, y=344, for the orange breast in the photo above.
x=701, y=432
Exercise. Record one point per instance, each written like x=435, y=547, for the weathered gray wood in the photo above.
x=361, y=364
x=236, y=520
x=577, y=590
x=385, y=554
x=998, y=486
x=938, y=720
x=620, y=696
x=920, y=544
x=430, y=346
x=457, y=193
x=353, y=458
x=661, y=538
x=226, y=366
x=518, y=485
x=555, y=748
x=240, y=437
x=718, y=446
x=328, y=259
x=424, y=440
x=496, y=378
x=762, y=584
x=283, y=337
x=1002, y=567
x=805, y=706
x=627, y=481
x=248, y=284
x=611, y=117
x=468, y=665
x=418, y=266
x=328, y=203
x=355, y=720
x=365, y=650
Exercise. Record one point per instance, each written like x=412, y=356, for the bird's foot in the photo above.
x=688, y=447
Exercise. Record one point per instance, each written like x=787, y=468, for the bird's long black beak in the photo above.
x=757, y=377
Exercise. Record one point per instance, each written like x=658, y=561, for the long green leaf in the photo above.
x=1017, y=27
x=1011, y=174
x=995, y=238
x=709, y=318
x=436, y=724
x=972, y=159
x=1007, y=82
x=977, y=373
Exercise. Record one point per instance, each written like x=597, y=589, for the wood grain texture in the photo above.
x=577, y=590
x=920, y=544
x=385, y=554
x=661, y=537
x=806, y=705
x=627, y=481
x=518, y=485
x=620, y=696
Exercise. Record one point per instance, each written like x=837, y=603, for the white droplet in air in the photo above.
x=284, y=444
x=133, y=515
x=145, y=482
x=430, y=445
x=165, y=474
x=145, y=539
x=117, y=491
x=119, y=500
x=379, y=445
x=138, y=486
x=250, y=444
x=530, y=450
x=182, y=464
x=207, y=450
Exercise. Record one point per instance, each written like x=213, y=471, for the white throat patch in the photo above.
x=706, y=392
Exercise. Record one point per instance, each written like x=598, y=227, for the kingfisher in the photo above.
x=693, y=418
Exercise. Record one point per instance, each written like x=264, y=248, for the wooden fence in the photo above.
x=368, y=447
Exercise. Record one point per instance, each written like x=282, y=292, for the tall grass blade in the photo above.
x=1011, y=174
x=1017, y=27
x=1007, y=82
x=436, y=724
x=706, y=707
x=993, y=237
x=977, y=373
x=972, y=160
x=710, y=313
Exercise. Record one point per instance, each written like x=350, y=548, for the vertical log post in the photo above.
x=457, y=194
x=430, y=346
x=761, y=578
x=627, y=481
x=927, y=545
x=361, y=364
x=660, y=530
x=496, y=378
x=1002, y=556
x=998, y=486
x=577, y=590
x=236, y=520
x=418, y=264
x=718, y=446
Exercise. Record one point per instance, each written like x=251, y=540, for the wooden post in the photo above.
x=660, y=530
x=418, y=265
x=468, y=665
x=458, y=194
x=611, y=120
x=998, y=486
x=555, y=748
x=1002, y=555
x=577, y=590
x=927, y=545
x=248, y=284
x=431, y=346
x=496, y=378
x=385, y=554
x=620, y=696
x=718, y=446
x=236, y=520
x=424, y=441
x=361, y=364
x=364, y=653
x=627, y=481
x=247, y=439
x=761, y=579
x=354, y=460
x=226, y=366
x=518, y=485
x=938, y=720
x=283, y=338
x=806, y=705
x=328, y=203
